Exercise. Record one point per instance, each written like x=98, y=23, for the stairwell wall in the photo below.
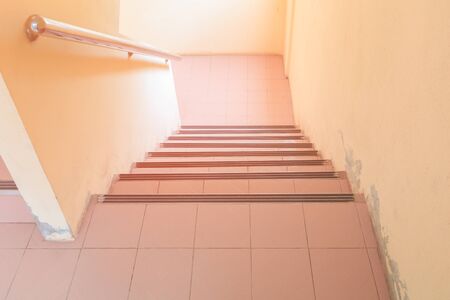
x=207, y=27
x=89, y=111
x=370, y=85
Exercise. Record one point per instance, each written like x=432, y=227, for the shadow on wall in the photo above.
x=354, y=168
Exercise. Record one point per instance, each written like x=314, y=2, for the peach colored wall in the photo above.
x=89, y=112
x=205, y=26
x=371, y=85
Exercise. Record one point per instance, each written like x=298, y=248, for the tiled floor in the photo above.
x=199, y=251
x=233, y=90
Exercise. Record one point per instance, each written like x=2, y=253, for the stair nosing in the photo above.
x=229, y=176
x=261, y=197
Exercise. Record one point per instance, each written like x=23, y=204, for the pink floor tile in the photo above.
x=223, y=186
x=281, y=274
x=9, y=262
x=221, y=274
x=13, y=209
x=37, y=241
x=282, y=186
x=169, y=225
x=223, y=226
x=135, y=187
x=333, y=225
x=103, y=274
x=115, y=226
x=238, y=67
x=378, y=272
x=319, y=186
x=366, y=225
x=15, y=235
x=162, y=274
x=342, y=274
x=278, y=225
x=181, y=187
x=44, y=274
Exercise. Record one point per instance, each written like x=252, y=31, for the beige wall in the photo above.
x=371, y=86
x=89, y=112
x=205, y=26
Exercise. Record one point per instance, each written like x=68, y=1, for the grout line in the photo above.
x=251, y=249
x=73, y=273
x=137, y=251
x=81, y=246
x=15, y=273
x=309, y=250
x=193, y=253
x=367, y=251
x=199, y=248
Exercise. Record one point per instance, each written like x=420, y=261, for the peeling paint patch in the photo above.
x=353, y=167
x=50, y=233
x=55, y=234
x=396, y=284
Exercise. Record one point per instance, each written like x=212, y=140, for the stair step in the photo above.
x=230, y=163
x=237, y=126
x=241, y=169
x=7, y=185
x=230, y=176
x=232, y=153
x=236, y=131
x=236, y=145
x=151, y=198
x=234, y=137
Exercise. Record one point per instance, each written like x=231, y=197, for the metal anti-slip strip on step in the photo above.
x=232, y=153
x=236, y=145
x=227, y=198
x=236, y=126
x=236, y=131
x=230, y=176
x=230, y=163
x=234, y=137
x=7, y=185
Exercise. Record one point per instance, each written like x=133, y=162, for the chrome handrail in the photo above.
x=37, y=25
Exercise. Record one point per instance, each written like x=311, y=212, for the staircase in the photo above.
x=232, y=164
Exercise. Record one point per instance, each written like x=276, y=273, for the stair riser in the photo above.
x=236, y=186
x=241, y=169
x=237, y=145
x=233, y=153
x=238, y=127
x=232, y=138
x=243, y=131
x=232, y=163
